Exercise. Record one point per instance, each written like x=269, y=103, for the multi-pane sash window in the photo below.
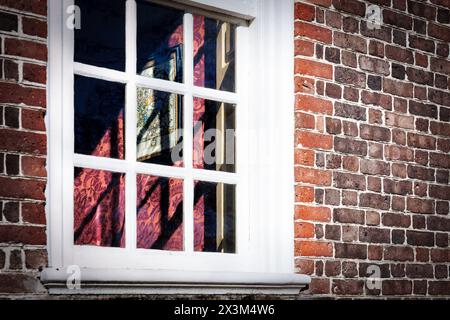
x=156, y=137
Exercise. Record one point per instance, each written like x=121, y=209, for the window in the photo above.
x=157, y=153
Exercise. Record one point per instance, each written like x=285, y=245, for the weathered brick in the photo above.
x=343, y=215
x=350, y=146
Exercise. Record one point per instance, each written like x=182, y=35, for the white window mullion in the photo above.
x=188, y=202
x=130, y=126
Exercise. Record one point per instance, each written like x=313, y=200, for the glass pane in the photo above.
x=159, y=41
x=99, y=208
x=99, y=117
x=214, y=54
x=159, y=127
x=214, y=135
x=159, y=213
x=100, y=40
x=214, y=217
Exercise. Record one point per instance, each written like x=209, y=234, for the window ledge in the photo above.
x=134, y=281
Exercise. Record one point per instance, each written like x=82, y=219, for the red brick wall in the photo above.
x=23, y=57
x=372, y=146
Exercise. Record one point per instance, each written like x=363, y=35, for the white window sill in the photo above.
x=132, y=281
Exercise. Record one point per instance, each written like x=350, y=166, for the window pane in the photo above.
x=214, y=217
x=159, y=127
x=99, y=208
x=214, y=54
x=100, y=41
x=214, y=135
x=99, y=118
x=159, y=213
x=159, y=41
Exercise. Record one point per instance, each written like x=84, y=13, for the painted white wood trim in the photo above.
x=243, y=9
x=113, y=281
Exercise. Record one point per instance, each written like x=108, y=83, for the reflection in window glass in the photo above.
x=99, y=117
x=214, y=217
x=159, y=41
x=99, y=208
x=214, y=135
x=159, y=213
x=100, y=41
x=159, y=127
x=214, y=54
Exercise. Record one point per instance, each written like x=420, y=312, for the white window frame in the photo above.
x=265, y=225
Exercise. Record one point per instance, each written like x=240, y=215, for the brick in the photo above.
x=351, y=6
x=376, y=48
x=23, y=234
x=399, y=37
x=442, y=129
x=33, y=213
x=34, y=73
x=440, y=160
x=377, y=99
x=333, y=126
x=333, y=19
x=332, y=232
x=351, y=42
x=350, y=111
x=314, y=140
x=351, y=163
x=304, y=230
x=22, y=189
x=374, y=184
x=349, y=269
x=17, y=94
x=397, y=19
x=442, y=50
x=398, y=253
x=403, y=89
x=20, y=283
x=439, y=97
x=313, y=32
x=374, y=235
x=333, y=91
x=396, y=287
x=33, y=119
x=23, y=142
x=393, y=152
x=36, y=259
x=11, y=70
x=313, y=68
x=26, y=49
x=320, y=286
x=422, y=10
x=304, y=194
x=304, y=12
x=314, y=249
x=420, y=76
x=321, y=214
x=436, y=223
x=348, y=216
x=350, y=251
x=401, y=187
x=421, y=43
x=421, y=141
x=350, y=25
x=375, y=252
x=398, y=237
x=11, y=211
x=375, y=133
x=34, y=27
x=399, y=54
x=348, y=287
x=375, y=167
x=351, y=77
x=313, y=104
x=11, y=117
x=396, y=220
x=8, y=22
x=313, y=176
x=374, y=65
x=421, y=173
x=350, y=146
x=439, y=31
x=304, y=157
x=440, y=192
x=349, y=59
x=440, y=65
x=33, y=6
x=418, y=205
x=440, y=255
x=398, y=270
x=373, y=200
x=382, y=33
x=304, y=266
x=421, y=109
x=33, y=166
x=400, y=121
x=419, y=238
x=399, y=170
x=439, y=288
x=350, y=128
